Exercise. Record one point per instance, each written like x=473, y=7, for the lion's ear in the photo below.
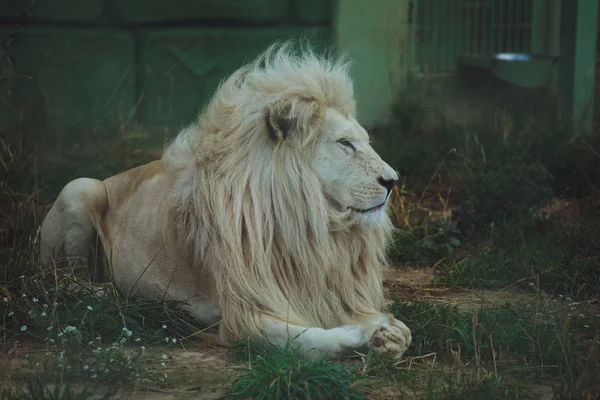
x=280, y=127
x=285, y=119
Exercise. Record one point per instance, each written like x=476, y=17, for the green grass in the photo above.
x=549, y=342
x=426, y=244
x=41, y=303
x=497, y=352
x=283, y=373
x=435, y=382
x=91, y=333
x=558, y=260
x=39, y=389
x=472, y=387
x=494, y=335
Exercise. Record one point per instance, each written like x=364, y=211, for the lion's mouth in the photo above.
x=368, y=210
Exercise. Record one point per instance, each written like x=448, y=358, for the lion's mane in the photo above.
x=252, y=210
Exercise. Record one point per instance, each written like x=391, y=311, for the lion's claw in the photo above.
x=392, y=338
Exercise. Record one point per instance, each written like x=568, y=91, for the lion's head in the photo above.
x=352, y=173
x=278, y=191
x=305, y=104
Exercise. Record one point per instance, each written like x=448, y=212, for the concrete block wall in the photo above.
x=69, y=66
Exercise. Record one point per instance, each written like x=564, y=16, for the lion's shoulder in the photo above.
x=129, y=181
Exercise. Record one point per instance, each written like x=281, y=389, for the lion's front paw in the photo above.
x=392, y=338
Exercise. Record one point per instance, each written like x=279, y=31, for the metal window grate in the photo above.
x=441, y=30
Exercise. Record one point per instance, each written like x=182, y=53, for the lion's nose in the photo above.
x=387, y=183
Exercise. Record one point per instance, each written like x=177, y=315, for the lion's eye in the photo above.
x=346, y=143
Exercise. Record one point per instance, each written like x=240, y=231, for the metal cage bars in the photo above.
x=442, y=30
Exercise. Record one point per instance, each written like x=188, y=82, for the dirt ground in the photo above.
x=194, y=372
x=199, y=371
x=418, y=283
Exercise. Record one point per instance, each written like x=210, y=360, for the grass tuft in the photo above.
x=283, y=373
x=38, y=389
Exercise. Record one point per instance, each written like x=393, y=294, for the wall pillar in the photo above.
x=374, y=34
x=579, y=20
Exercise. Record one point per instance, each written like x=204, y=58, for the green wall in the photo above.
x=374, y=34
x=579, y=23
x=146, y=66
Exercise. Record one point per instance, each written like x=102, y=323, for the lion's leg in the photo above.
x=204, y=310
x=69, y=231
x=316, y=342
x=380, y=333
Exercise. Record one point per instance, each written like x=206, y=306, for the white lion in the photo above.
x=269, y=214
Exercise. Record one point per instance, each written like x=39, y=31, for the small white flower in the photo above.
x=137, y=340
x=164, y=326
x=61, y=355
x=163, y=364
x=10, y=314
x=37, y=365
x=166, y=340
x=45, y=306
x=129, y=333
x=23, y=295
x=164, y=357
x=22, y=276
x=86, y=367
x=143, y=348
x=174, y=340
x=568, y=299
x=49, y=328
x=35, y=300
x=5, y=300
x=94, y=376
x=89, y=308
x=23, y=328
x=586, y=326
x=51, y=340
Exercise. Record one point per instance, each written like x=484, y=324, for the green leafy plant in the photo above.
x=425, y=244
x=441, y=235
